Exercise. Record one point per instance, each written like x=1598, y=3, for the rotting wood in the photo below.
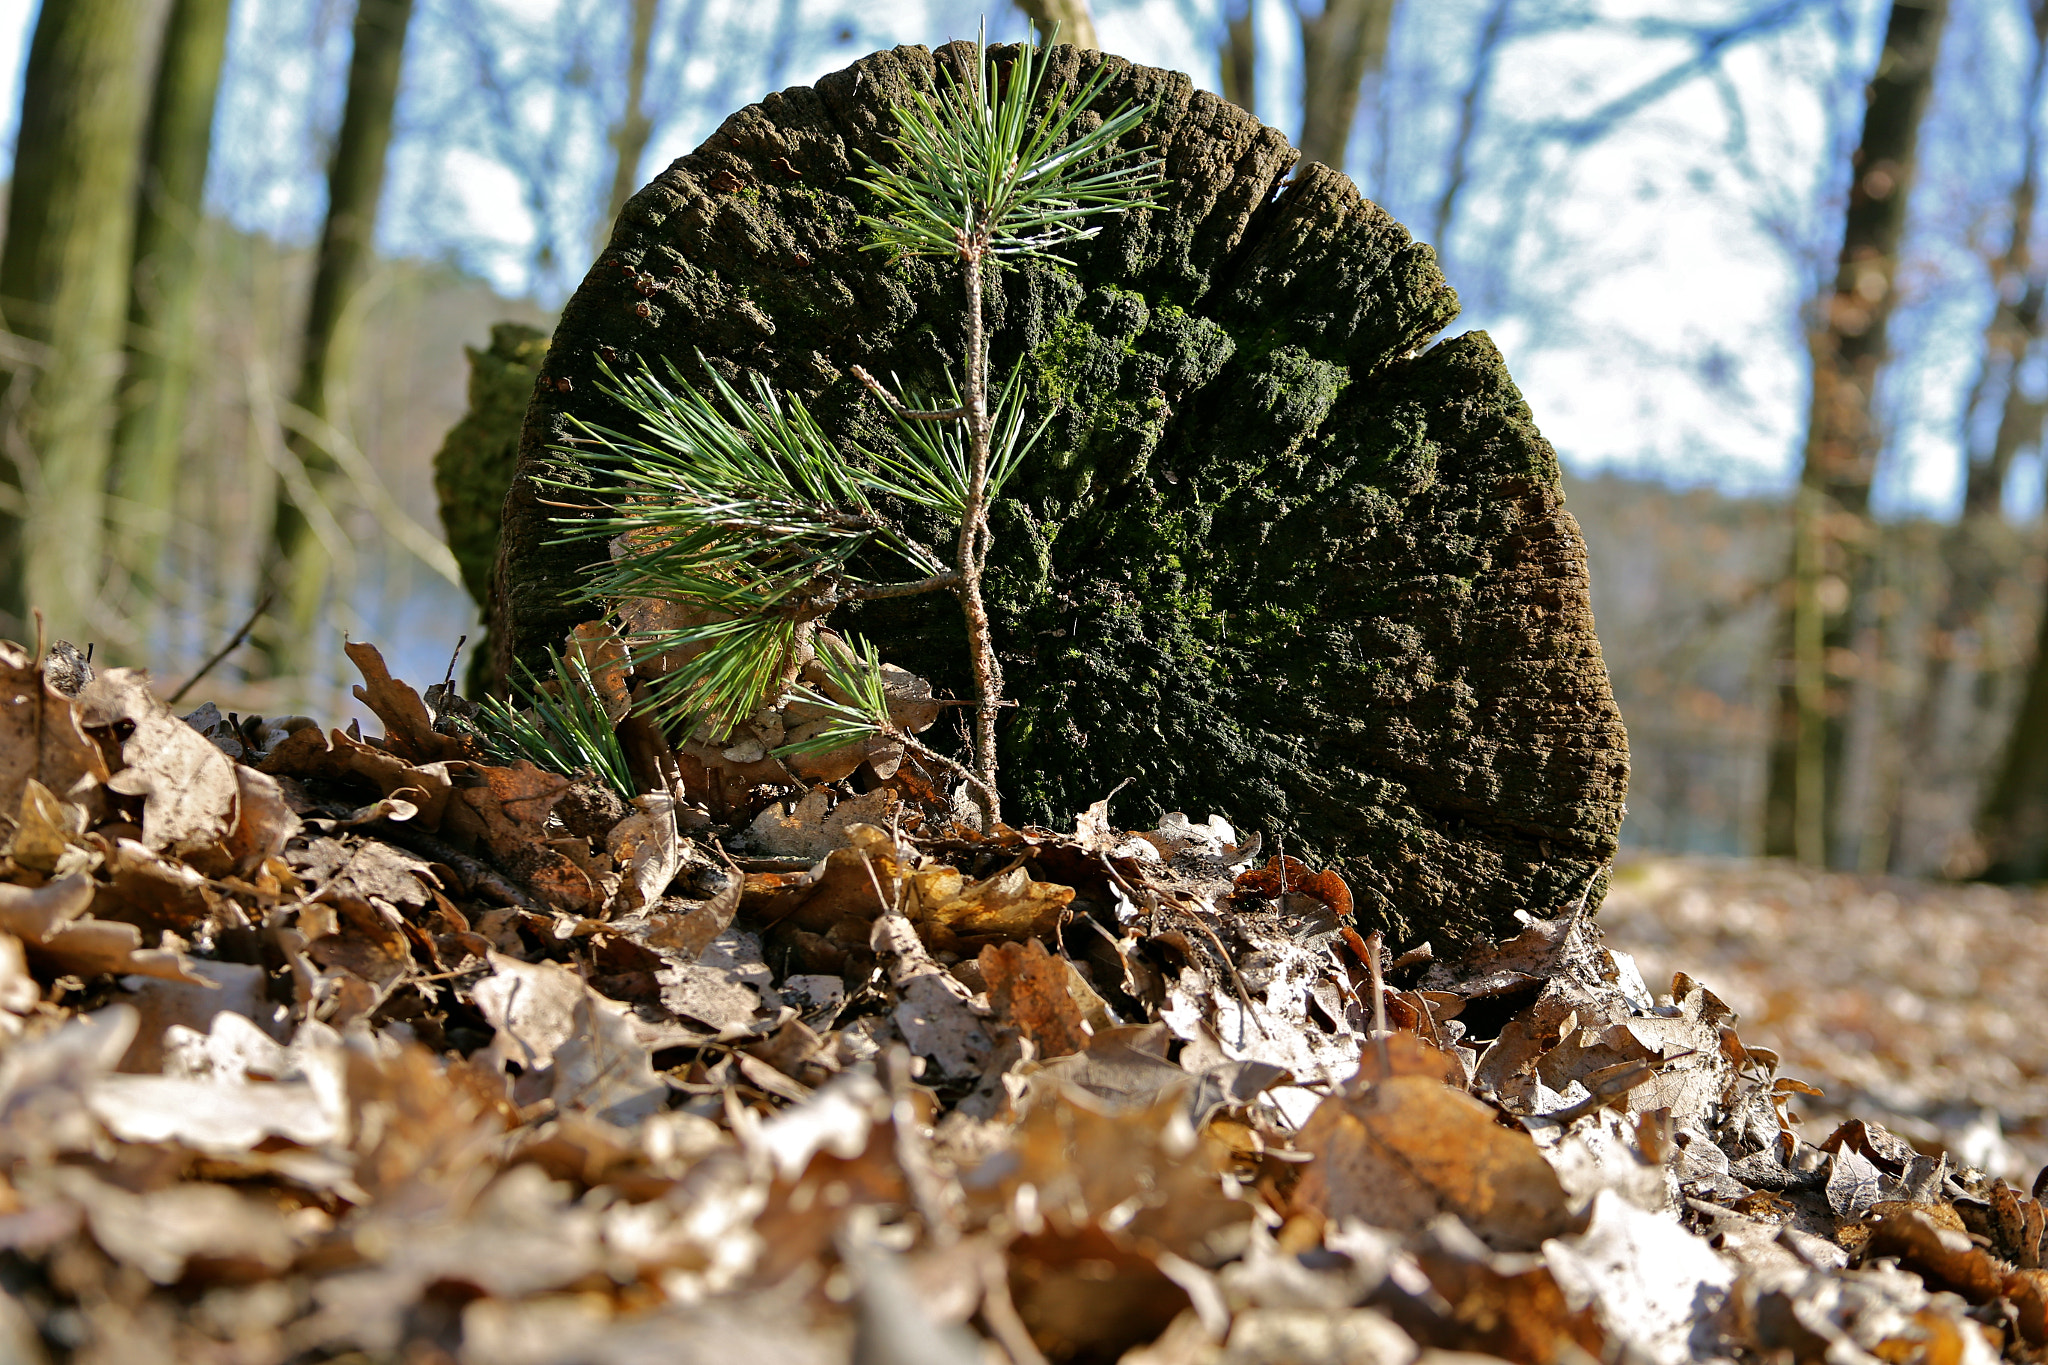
x=1274, y=559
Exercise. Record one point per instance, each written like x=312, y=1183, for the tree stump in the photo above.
x=1273, y=559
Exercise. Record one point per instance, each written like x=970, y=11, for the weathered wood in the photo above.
x=1273, y=559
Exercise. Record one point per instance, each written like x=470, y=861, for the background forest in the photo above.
x=1768, y=271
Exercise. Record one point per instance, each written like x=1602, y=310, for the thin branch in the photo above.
x=925, y=752
x=1468, y=120
x=895, y=405
x=233, y=643
x=1711, y=45
x=938, y=582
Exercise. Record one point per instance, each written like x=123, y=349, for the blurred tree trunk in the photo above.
x=1340, y=46
x=1076, y=24
x=1241, y=55
x=164, y=284
x=630, y=133
x=2013, y=825
x=1842, y=444
x=63, y=277
x=1971, y=572
x=296, y=568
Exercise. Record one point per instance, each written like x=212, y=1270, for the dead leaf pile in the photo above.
x=318, y=1046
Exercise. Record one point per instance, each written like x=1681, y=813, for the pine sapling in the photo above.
x=740, y=511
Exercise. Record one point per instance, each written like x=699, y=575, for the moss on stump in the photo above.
x=1274, y=559
x=474, y=466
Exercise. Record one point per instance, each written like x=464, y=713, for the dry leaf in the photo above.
x=188, y=786
x=1652, y=1283
x=41, y=738
x=1028, y=989
x=933, y=1011
x=310, y=753
x=408, y=725
x=573, y=1045
x=51, y=923
x=1400, y=1152
x=647, y=849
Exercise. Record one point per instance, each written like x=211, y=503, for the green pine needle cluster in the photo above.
x=967, y=160
x=563, y=728
x=855, y=672
x=738, y=509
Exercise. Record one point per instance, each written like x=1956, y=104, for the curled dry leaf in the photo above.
x=310, y=753
x=648, y=851
x=816, y=826
x=188, y=787
x=408, y=724
x=1398, y=1153
x=1290, y=876
x=959, y=914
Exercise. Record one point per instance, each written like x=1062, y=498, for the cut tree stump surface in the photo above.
x=1273, y=559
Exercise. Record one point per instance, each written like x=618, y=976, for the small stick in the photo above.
x=1244, y=996
x=927, y=1195
x=876, y=882
x=1000, y=1313
x=225, y=650
x=448, y=678
x=894, y=405
x=1379, y=1003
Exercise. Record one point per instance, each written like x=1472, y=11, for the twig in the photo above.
x=875, y=592
x=1244, y=995
x=1000, y=1313
x=225, y=650
x=876, y=882
x=1379, y=1003
x=895, y=404
x=938, y=582
x=448, y=678
x=973, y=778
x=925, y=1191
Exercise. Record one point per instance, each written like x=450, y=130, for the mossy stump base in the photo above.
x=1274, y=559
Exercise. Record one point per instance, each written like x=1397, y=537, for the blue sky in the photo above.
x=1646, y=284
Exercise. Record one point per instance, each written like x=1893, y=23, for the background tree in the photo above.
x=634, y=127
x=296, y=569
x=1070, y=18
x=1343, y=42
x=166, y=281
x=2001, y=419
x=63, y=277
x=1831, y=558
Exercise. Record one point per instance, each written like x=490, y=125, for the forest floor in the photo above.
x=1917, y=1004
x=332, y=1046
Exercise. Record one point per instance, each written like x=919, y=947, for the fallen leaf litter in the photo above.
x=319, y=1046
